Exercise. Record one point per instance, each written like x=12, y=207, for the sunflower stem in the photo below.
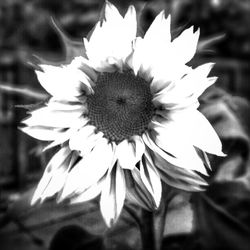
x=147, y=230
x=153, y=223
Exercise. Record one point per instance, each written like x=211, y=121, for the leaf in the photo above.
x=137, y=193
x=72, y=48
x=223, y=214
x=32, y=107
x=204, y=44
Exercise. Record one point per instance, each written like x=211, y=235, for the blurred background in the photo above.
x=26, y=30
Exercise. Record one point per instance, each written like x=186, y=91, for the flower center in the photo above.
x=121, y=105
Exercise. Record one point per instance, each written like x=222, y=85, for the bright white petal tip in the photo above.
x=186, y=44
x=89, y=170
x=54, y=175
x=113, y=195
x=130, y=152
x=69, y=79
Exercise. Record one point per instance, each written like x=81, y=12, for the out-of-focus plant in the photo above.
x=230, y=17
x=25, y=24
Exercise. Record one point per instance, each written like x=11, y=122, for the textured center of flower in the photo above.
x=121, y=105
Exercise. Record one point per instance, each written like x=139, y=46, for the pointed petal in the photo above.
x=179, y=149
x=159, y=30
x=43, y=133
x=137, y=192
x=66, y=135
x=199, y=74
x=85, y=139
x=89, y=170
x=139, y=147
x=111, y=13
x=113, y=195
x=135, y=61
x=83, y=64
x=54, y=175
x=151, y=178
x=60, y=139
x=185, y=44
x=174, y=176
x=194, y=128
x=111, y=41
x=204, y=158
x=145, y=59
x=200, y=132
x=157, y=86
x=130, y=152
x=59, y=177
x=90, y=193
x=58, y=105
x=64, y=82
x=54, y=118
x=174, y=57
x=185, y=92
x=130, y=22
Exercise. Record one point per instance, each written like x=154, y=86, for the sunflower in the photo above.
x=125, y=117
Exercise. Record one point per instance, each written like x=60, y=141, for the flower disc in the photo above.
x=121, y=105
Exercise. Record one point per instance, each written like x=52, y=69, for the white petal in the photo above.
x=85, y=139
x=184, y=162
x=113, y=195
x=159, y=31
x=155, y=57
x=137, y=192
x=60, y=139
x=111, y=13
x=84, y=65
x=55, y=105
x=89, y=169
x=148, y=51
x=166, y=72
x=199, y=74
x=173, y=140
x=43, y=133
x=59, y=177
x=185, y=44
x=139, y=147
x=185, y=92
x=157, y=86
x=199, y=131
x=174, y=58
x=54, y=118
x=129, y=152
x=174, y=176
x=89, y=193
x=135, y=61
x=151, y=178
x=66, y=135
x=130, y=23
x=54, y=175
x=65, y=82
x=111, y=41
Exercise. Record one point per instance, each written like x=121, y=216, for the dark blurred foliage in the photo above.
x=229, y=17
x=27, y=22
x=77, y=239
